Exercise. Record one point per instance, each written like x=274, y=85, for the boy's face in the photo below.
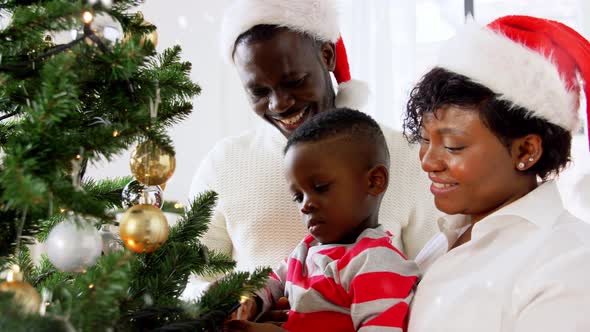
x=331, y=188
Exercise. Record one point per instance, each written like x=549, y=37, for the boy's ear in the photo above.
x=378, y=180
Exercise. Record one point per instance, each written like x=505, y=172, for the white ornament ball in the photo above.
x=71, y=247
x=108, y=29
x=64, y=36
x=105, y=3
x=5, y=19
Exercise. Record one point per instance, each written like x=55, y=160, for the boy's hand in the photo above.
x=245, y=326
x=247, y=310
x=279, y=313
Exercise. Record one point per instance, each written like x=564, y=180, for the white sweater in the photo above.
x=256, y=220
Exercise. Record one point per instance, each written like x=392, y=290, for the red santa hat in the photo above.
x=531, y=62
x=316, y=18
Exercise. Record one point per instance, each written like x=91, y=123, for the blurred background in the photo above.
x=390, y=43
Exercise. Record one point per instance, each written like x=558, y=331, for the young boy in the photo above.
x=345, y=275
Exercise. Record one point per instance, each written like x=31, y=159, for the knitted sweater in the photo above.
x=363, y=286
x=256, y=220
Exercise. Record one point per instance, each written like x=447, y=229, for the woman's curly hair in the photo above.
x=440, y=88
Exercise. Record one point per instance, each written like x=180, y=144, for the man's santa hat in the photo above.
x=531, y=62
x=316, y=18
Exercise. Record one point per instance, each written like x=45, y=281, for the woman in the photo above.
x=494, y=123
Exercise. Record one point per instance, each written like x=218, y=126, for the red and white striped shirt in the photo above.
x=363, y=286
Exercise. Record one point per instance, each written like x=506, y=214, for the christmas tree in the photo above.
x=81, y=81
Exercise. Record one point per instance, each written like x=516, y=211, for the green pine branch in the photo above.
x=107, y=191
x=195, y=222
x=62, y=106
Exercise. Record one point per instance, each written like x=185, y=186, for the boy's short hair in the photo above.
x=346, y=123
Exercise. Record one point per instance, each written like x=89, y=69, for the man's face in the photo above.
x=286, y=78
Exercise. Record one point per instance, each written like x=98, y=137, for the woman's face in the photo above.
x=471, y=171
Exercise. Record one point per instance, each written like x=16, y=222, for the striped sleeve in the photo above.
x=380, y=284
x=275, y=287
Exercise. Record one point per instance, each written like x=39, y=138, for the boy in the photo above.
x=345, y=275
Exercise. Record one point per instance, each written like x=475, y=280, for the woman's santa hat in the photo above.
x=531, y=62
x=316, y=18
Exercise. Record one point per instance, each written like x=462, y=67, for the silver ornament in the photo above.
x=136, y=192
x=108, y=29
x=105, y=3
x=64, y=36
x=5, y=19
x=72, y=246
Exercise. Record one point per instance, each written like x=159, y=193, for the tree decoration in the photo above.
x=25, y=295
x=73, y=245
x=143, y=228
x=104, y=27
x=151, y=36
x=152, y=165
x=136, y=193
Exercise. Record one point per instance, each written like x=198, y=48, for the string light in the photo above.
x=11, y=275
x=116, y=133
x=87, y=17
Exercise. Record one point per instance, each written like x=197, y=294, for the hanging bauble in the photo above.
x=136, y=192
x=5, y=19
x=63, y=37
x=105, y=27
x=105, y=3
x=25, y=295
x=72, y=246
x=151, y=165
x=143, y=228
x=152, y=37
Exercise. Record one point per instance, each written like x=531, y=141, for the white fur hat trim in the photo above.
x=318, y=18
x=518, y=74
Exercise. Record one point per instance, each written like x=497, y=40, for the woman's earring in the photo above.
x=521, y=165
x=531, y=159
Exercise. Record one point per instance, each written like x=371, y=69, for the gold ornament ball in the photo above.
x=151, y=165
x=151, y=36
x=143, y=228
x=24, y=294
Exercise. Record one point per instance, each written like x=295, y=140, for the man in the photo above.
x=284, y=52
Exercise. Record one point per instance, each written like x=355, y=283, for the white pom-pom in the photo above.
x=353, y=94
